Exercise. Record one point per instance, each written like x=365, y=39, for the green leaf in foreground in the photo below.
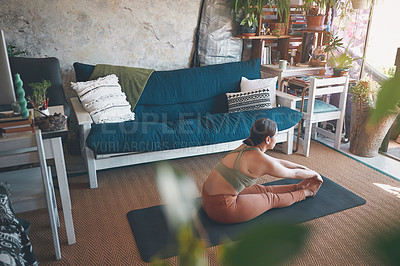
x=388, y=99
x=388, y=244
x=266, y=244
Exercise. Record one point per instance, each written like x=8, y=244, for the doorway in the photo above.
x=382, y=47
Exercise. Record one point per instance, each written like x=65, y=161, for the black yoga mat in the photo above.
x=152, y=235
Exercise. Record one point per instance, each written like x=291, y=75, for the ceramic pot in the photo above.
x=338, y=72
x=277, y=28
x=248, y=31
x=359, y=4
x=365, y=140
x=315, y=22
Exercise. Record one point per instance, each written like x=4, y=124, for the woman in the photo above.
x=230, y=195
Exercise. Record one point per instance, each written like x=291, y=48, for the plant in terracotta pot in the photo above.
x=315, y=11
x=365, y=140
x=282, y=10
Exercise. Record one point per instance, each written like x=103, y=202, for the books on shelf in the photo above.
x=11, y=123
x=265, y=54
x=297, y=24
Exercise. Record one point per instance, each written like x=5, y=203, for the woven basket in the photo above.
x=51, y=123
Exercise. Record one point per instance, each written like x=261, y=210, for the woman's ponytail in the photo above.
x=261, y=129
x=248, y=142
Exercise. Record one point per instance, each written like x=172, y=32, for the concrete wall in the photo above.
x=155, y=34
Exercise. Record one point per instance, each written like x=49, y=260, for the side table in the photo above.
x=54, y=150
x=269, y=71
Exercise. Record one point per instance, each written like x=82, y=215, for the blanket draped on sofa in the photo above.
x=132, y=79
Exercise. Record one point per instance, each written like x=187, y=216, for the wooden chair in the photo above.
x=320, y=111
x=31, y=188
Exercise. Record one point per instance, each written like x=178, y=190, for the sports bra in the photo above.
x=234, y=176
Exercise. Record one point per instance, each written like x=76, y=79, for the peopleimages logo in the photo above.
x=142, y=146
x=189, y=123
x=151, y=135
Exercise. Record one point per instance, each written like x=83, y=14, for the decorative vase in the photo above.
x=315, y=22
x=248, y=31
x=21, y=96
x=365, y=140
x=277, y=28
x=359, y=4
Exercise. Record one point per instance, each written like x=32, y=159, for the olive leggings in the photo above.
x=249, y=203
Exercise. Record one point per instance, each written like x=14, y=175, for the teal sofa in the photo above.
x=180, y=113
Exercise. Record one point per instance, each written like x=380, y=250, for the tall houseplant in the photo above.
x=365, y=140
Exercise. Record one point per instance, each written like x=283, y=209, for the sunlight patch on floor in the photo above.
x=389, y=188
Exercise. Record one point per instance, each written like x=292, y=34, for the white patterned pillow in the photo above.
x=251, y=100
x=104, y=100
x=258, y=84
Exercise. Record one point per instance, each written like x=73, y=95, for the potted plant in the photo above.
x=364, y=139
x=315, y=12
x=339, y=60
x=282, y=10
x=249, y=24
x=360, y=4
x=38, y=99
x=249, y=12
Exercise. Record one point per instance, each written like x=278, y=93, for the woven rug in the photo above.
x=104, y=236
x=150, y=227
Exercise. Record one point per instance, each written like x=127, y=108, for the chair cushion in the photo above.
x=133, y=136
x=319, y=107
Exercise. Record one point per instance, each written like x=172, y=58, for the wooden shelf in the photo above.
x=264, y=37
x=316, y=31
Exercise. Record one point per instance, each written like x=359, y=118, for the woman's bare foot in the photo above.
x=303, y=184
x=308, y=193
x=315, y=184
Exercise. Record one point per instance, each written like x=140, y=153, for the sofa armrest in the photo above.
x=81, y=114
x=287, y=100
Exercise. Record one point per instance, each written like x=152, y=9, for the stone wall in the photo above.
x=156, y=34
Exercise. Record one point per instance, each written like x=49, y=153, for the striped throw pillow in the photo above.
x=251, y=100
x=104, y=100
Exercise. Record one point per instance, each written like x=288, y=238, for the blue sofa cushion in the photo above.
x=192, y=92
x=133, y=136
x=184, y=93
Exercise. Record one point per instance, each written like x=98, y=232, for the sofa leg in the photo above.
x=88, y=155
x=91, y=167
